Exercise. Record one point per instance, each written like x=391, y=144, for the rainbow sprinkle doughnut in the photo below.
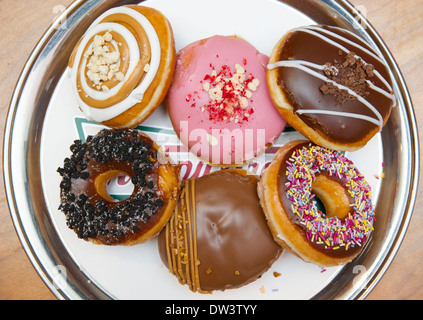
x=301, y=170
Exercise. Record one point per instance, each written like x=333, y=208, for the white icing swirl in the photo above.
x=136, y=96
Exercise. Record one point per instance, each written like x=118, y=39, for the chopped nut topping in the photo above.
x=120, y=76
x=102, y=63
x=107, y=37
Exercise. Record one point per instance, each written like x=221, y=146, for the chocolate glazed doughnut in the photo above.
x=218, y=238
x=331, y=86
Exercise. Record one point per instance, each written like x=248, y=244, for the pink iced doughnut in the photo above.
x=219, y=103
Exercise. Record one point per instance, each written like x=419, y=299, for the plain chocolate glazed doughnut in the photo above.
x=218, y=238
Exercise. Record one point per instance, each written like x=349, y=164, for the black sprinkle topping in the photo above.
x=102, y=218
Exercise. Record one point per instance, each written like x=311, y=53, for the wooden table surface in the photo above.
x=23, y=22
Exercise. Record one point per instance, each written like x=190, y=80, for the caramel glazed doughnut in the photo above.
x=299, y=172
x=218, y=238
x=337, y=94
x=122, y=67
x=92, y=213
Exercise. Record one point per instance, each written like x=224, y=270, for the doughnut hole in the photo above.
x=333, y=196
x=102, y=181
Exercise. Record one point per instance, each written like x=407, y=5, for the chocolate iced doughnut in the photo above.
x=218, y=237
x=331, y=86
x=92, y=213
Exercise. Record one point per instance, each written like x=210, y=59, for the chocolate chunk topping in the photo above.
x=320, y=105
x=86, y=212
x=352, y=73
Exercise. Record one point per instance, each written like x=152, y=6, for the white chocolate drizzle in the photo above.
x=134, y=97
x=308, y=67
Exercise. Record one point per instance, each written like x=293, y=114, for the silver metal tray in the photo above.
x=55, y=260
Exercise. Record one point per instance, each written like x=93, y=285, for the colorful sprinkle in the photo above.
x=334, y=233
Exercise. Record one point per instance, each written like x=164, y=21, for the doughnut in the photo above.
x=122, y=66
x=92, y=213
x=218, y=238
x=331, y=86
x=218, y=101
x=302, y=172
